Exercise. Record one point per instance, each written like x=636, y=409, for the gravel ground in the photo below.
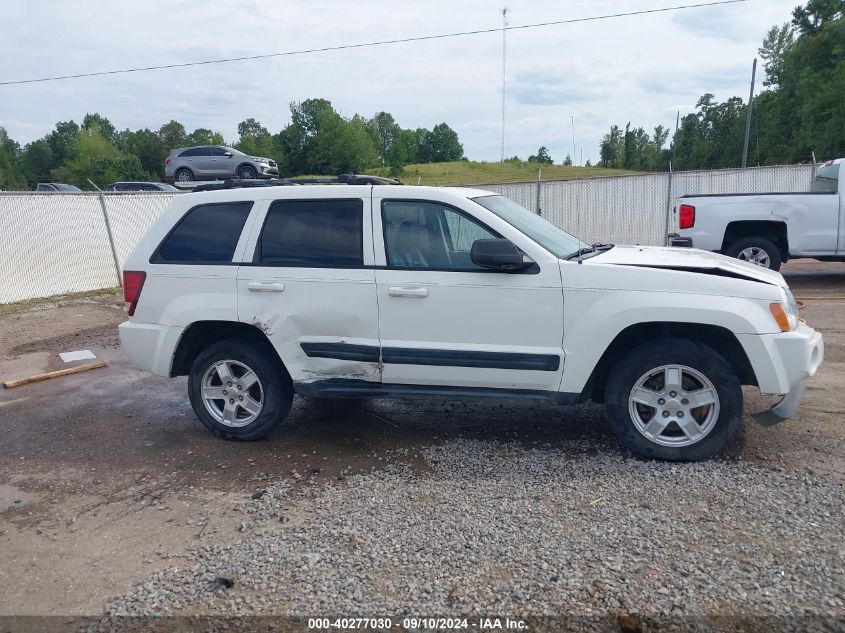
x=490, y=527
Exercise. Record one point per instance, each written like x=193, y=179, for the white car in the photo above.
x=767, y=229
x=347, y=291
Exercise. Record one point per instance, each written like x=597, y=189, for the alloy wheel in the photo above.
x=674, y=405
x=232, y=393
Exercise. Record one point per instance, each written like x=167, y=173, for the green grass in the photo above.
x=477, y=173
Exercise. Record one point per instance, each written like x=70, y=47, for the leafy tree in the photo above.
x=147, y=146
x=60, y=140
x=251, y=127
x=172, y=135
x=10, y=175
x=778, y=41
x=809, y=19
x=100, y=123
x=441, y=145
x=204, y=136
x=542, y=156
x=567, y=161
x=37, y=160
x=385, y=132
x=92, y=156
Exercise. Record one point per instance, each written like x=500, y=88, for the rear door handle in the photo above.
x=265, y=286
x=400, y=291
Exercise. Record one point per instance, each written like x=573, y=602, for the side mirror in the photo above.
x=228, y=154
x=499, y=254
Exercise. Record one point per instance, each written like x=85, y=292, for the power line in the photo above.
x=342, y=47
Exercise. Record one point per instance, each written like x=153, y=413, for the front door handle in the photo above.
x=400, y=291
x=265, y=286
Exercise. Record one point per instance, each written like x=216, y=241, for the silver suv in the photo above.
x=209, y=162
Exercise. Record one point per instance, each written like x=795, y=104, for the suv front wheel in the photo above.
x=238, y=390
x=674, y=400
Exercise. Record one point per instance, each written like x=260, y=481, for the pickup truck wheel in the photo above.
x=675, y=400
x=238, y=390
x=756, y=250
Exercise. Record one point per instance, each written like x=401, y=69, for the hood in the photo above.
x=686, y=259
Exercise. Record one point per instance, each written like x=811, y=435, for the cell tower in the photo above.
x=504, y=75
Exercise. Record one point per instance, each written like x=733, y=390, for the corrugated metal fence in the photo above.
x=633, y=209
x=55, y=243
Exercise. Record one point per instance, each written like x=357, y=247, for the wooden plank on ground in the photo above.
x=54, y=374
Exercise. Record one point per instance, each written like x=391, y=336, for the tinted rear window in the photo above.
x=313, y=234
x=207, y=234
x=827, y=178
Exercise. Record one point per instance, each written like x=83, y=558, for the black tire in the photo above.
x=771, y=250
x=654, y=354
x=275, y=385
x=183, y=174
x=246, y=172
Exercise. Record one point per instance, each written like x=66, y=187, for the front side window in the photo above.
x=207, y=234
x=430, y=235
x=313, y=234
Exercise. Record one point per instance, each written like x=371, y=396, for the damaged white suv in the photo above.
x=346, y=291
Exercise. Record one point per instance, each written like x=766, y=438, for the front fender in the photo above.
x=594, y=318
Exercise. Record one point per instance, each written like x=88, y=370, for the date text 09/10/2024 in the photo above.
x=423, y=624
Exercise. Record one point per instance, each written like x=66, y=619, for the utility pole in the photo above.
x=574, y=155
x=675, y=137
x=748, y=115
x=504, y=73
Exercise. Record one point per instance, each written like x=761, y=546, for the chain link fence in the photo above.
x=56, y=243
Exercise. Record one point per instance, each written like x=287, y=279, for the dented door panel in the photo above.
x=303, y=309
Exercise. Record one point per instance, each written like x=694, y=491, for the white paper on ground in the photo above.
x=83, y=354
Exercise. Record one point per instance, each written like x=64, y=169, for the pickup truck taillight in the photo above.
x=686, y=216
x=133, y=281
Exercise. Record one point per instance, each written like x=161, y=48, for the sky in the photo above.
x=641, y=69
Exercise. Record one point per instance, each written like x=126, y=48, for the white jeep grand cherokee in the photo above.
x=347, y=291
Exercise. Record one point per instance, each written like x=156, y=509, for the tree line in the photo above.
x=318, y=140
x=800, y=111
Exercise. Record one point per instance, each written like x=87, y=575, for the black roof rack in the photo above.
x=346, y=179
x=342, y=179
x=237, y=183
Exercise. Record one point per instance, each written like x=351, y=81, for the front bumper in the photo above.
x=266, y=170
x=782, y=363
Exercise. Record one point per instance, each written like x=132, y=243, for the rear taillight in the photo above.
x=132, y=283
x=686, y=216
x=167, y=161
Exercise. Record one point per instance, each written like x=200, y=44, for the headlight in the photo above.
x=262, y=161
x=785, y=312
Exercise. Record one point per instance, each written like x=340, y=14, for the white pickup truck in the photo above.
x=257, y=294
x=769, y=228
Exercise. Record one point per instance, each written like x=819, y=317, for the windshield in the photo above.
x=546, y=234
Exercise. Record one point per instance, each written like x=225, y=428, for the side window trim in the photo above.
x=255, y=260
x=232, y=262
x=444, y=205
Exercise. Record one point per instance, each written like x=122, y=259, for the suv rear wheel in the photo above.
x=675, y=400
x=238, y=390
x=756, y=250
x=183, y=175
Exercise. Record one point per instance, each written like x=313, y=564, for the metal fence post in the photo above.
x=668, y=206
x=111, y=240
x=539, y=211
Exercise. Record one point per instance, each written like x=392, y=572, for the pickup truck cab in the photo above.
x=768, y=229
x=258, y=294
